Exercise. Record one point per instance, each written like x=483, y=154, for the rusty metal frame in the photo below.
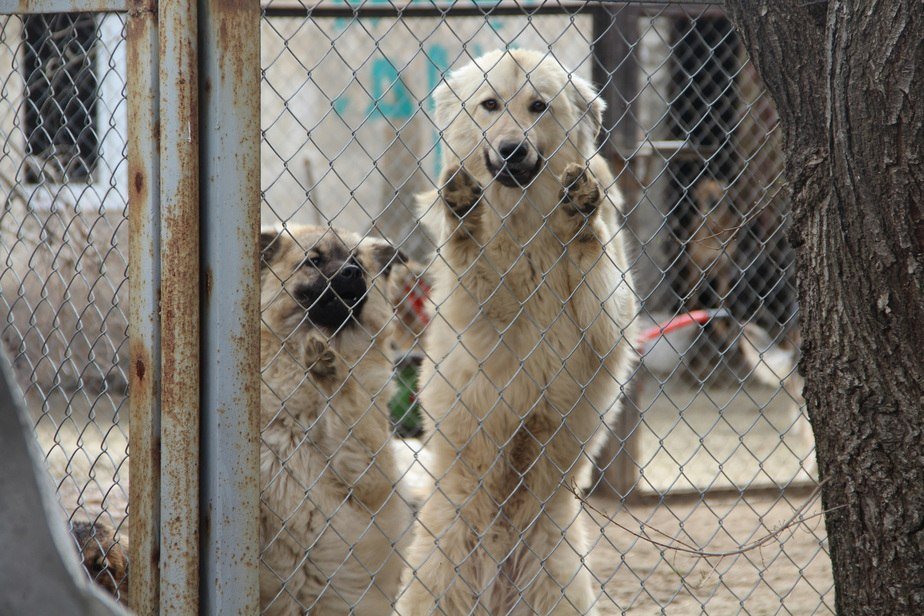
x=229, y=43
x=144, y=267
x=174, y=498
x=179, y=306
x=144, y=316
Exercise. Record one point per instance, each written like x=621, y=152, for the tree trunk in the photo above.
x=848, y=81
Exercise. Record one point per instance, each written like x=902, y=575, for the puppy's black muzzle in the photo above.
x=335, y=303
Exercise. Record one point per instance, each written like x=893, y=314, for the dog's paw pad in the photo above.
x=460, y=191
x=326, y=365
x=319, y=358
x=580, y=192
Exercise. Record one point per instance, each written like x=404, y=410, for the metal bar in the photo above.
x=502, y=8
x=422, y=9
x=32, y=7
x=144, y=319
x=794, y=491
x=616, y=73
x=230, y=194
x=179, y=182
x=676, y=148
x=615, y=469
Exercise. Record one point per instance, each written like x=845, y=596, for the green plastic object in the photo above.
x=403, y=407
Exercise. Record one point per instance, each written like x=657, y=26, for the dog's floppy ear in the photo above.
x=386, y=256
x=270, y=244
x=445, y=102
x=380, y=256
x=590, y=109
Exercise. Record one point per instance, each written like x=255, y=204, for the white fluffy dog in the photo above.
x=529, y=345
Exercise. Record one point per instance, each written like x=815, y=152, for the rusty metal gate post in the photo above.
x=229, y=43
x=179, y=307
x=144, y=316
x=194, y=357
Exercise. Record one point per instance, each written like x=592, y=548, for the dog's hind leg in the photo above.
x=449, y=575
x=562, y=585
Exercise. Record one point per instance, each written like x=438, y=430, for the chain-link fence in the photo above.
x=63, y=278
x=483, y=390
x=710, y=450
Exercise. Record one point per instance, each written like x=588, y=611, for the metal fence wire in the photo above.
x=578, y=397
x=710, y=441
x=63, y=285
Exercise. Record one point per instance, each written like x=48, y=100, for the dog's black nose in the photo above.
x=349, y=283
x=350, y=271
x=513, y=152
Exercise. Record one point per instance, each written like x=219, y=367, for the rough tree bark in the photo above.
x=848, y=80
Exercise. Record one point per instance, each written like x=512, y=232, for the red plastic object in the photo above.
x=700, y=317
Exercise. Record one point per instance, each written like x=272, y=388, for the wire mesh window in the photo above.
x=61, y=84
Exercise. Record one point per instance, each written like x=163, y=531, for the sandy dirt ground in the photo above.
x=789, y=574
x=700, y=439
x=688, y=440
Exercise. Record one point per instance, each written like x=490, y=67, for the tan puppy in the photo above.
x=528, y=346
x=330, y=519
x=103, y=557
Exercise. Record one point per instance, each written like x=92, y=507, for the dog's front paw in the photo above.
x=460, y=191
x=580, y=193
x=319, y=358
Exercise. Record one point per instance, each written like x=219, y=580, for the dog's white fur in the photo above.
x=525, y=354
x=330, y=519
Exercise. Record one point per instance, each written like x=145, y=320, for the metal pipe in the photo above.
x=144, y=319
x=616, y=74
x=502, y=8
x=179, y=197
x=230, y=197
x=32, y=7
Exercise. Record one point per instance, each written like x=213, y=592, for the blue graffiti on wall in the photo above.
x=388, y=97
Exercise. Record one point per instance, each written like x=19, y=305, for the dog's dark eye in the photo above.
x=538, y=106
x=313, y=260
x=490, y=104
